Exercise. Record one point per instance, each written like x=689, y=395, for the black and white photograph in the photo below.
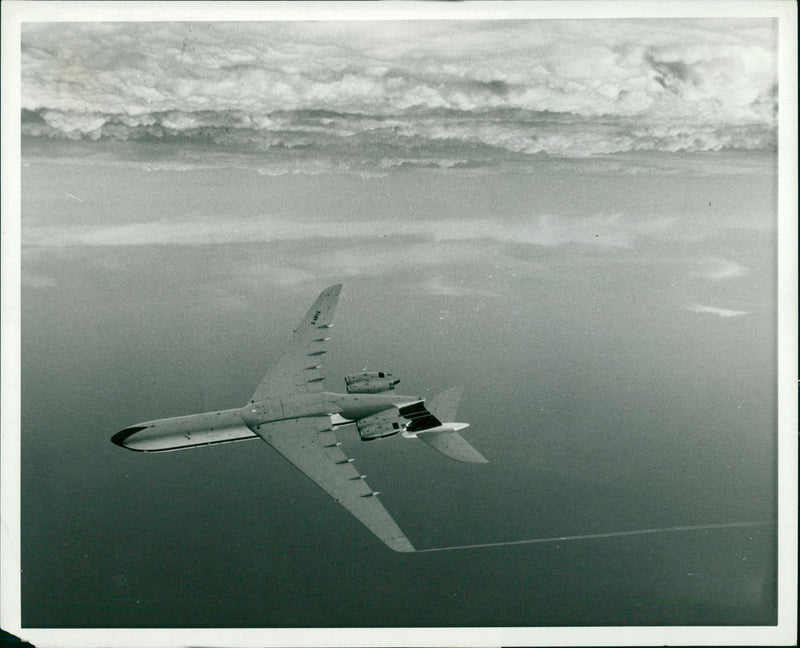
x=386, y=324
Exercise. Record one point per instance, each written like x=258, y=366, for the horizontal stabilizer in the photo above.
x=453, y=445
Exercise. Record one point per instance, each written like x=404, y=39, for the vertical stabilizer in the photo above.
x=444, y=406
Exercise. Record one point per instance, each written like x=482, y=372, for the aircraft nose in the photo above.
x=120, y=437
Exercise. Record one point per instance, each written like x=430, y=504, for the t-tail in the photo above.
x=442, y=435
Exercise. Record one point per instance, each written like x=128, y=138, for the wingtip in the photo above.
x=401, y=545
x=476, y=458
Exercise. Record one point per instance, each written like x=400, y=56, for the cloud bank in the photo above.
x=600, y=230
x=718, y=269
x=714, y=310
x=428, y=93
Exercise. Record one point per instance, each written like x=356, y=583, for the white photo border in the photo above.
x=15, y=13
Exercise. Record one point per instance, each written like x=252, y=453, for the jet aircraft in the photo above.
x=292, y=412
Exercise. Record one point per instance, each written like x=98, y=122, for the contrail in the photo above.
x=675, y=529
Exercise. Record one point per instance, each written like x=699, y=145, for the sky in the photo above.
x=576, y=220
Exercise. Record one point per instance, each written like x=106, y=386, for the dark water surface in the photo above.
x=615, y=335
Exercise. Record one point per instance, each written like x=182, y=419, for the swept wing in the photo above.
x=310, y=444
x=299, y=369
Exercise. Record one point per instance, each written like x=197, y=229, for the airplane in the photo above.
x=292, y=412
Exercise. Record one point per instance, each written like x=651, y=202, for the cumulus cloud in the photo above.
x=426, y=89
x=714, y=310
x=441, y=286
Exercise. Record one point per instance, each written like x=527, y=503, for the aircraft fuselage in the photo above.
x=237, y=424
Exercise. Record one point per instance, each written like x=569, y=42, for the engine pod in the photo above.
x=372, y=382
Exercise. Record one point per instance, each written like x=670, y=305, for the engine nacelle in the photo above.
x=372, y=382
x=383, y=424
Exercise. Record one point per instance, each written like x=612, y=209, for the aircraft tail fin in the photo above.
x=445, y=437
x=444, y=406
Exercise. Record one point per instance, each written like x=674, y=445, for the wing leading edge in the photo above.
x=310, y=444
